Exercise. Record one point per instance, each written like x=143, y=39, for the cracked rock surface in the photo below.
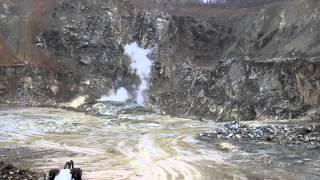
x=239, y=61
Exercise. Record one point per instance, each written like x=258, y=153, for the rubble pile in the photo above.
x=8, y=171
x=288, y=135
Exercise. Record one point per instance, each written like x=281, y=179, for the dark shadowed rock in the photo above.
x=8, y=171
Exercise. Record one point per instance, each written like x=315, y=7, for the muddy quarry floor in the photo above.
x=131, y=145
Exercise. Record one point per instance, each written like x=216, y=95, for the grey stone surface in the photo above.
x=244, y=62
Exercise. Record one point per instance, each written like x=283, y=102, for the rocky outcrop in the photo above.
x=68, y=49
x=240, y=68
x=246, y=90
x=23, y=84
x=91, y=35
x=236, y=61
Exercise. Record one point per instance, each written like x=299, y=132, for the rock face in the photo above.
x=235, y=61
x=65, y=49
x=240, y=67
x=246, y=90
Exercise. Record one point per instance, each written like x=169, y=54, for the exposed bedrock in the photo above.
x=240, y=67
x=66, y=48
x=231, y=62
x=242, y=90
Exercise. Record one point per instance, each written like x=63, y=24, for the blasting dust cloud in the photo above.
x=141, y=64
x=120, y=95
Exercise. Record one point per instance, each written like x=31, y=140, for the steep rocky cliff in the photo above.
x=54, y=51
x=240, y=67
x=242, y=61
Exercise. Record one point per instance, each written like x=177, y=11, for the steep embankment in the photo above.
x=240, y=61
x=54, y=51
x=240, y=67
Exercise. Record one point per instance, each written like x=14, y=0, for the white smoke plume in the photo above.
x=121, y=95
x=142, y=65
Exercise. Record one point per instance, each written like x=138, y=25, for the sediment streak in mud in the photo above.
x=104, y=148
x=132, y=147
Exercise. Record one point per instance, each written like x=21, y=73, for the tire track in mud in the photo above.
x=148, y=147
x=155, y=163
x=161, y=154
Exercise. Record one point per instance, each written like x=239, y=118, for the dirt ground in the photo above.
x=9, y=172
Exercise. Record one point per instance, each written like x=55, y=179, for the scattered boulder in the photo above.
x=288, y=135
